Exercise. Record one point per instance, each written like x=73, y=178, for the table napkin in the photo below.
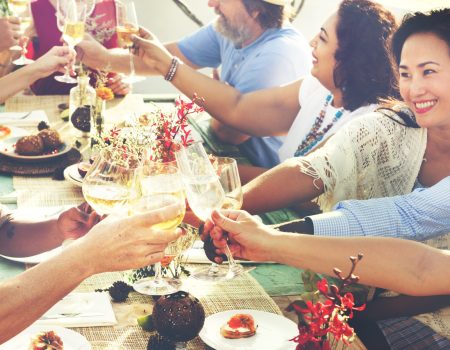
x=7, y=193
x=89, y=309
x=22, y=119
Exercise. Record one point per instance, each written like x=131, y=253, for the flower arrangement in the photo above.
x=158, y=132
x=325, y=310
x=171, y=129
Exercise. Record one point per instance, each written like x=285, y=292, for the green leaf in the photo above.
x=310, y=279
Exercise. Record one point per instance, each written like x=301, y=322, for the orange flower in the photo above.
x=105, y=93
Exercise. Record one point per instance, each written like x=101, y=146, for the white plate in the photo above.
x=35, y=259
x=14, y=132
x=72, y=175
x=7, y=149
x=71, y=339
x=274, y=332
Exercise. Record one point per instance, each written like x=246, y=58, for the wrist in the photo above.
x=78, y=262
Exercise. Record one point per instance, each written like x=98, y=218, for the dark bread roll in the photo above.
x=31, y=145
x=51, y=139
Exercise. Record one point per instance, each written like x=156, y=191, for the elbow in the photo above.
x=227, y=134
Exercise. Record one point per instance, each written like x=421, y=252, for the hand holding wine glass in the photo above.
x=161, y=187
x=21, y=9
x=127, y=26
x=70, y=18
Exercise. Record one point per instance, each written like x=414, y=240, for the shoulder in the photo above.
x=311, y=86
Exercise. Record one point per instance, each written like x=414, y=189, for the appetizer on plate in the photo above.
x=239, y=326
x=46, y=341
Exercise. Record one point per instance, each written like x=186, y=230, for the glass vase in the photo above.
x=81, y=106
x=98, y=118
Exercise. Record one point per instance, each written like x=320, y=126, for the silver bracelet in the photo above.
x=173, y=69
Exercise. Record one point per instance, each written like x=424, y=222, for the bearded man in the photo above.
x=255, y=47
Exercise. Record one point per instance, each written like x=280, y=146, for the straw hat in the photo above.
x=276, y=2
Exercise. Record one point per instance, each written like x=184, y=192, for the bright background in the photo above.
x=169, y=23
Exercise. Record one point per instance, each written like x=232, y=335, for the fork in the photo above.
x=24, y=116
x=69, y=315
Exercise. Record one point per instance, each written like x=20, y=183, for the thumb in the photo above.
x=145, y=34
x=140, y=42
x=156, y=216
x=224, y=222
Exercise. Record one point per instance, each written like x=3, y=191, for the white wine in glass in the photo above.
x=161, y=187
x=70, y=19
x=126, y=26
x=20, y=8
x=124, y=33
x=108, y=187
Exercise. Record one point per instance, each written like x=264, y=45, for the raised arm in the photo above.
x=115, y=244
x=266, y=112
x=280, y=187
x=52, y=61
x=418, y=270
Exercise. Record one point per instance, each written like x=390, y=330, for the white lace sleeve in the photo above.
x=372, y=156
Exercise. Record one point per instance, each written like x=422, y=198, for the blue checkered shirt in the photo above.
x=420, y=215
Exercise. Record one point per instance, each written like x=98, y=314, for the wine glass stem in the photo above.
x=158, y=274
x=132, y=70
x=231, y=261
x=68, y=68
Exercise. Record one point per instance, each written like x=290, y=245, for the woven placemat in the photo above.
x=240, y=293
x=42, y=167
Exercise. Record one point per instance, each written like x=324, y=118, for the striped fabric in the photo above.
x=420, y=215
x=409, y=334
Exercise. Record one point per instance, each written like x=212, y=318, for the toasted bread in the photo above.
x=239, y=326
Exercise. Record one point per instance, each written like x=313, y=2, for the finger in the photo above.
x=140, y=42
x=146, y=34
x=152, y=258
x=157, y=216
x=159, y=236
x=14, y=20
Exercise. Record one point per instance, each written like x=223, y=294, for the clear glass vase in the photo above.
x=81, y=106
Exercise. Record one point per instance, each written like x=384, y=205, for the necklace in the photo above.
x=315, y=136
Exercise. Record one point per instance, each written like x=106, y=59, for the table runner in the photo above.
x=240, y=293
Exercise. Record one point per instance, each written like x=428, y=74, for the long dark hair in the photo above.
x=364, y=69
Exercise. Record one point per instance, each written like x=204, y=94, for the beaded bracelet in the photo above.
x=173, y=69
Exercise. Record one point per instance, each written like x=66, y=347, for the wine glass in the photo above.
x=21, y=9
x=161, y=186
x=109, y=186
x=126, y=26
x=204, y=192
x=227, y=171
x=70, y=18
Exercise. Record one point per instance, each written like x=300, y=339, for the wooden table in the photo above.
x=258, y=298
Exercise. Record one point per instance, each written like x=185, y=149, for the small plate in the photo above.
x=273, y=332
x=7, y=149
x=71, y=339
x=72, y=175
x=11, y=131
x=35, y=259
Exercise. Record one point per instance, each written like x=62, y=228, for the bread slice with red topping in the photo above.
x=239, y=326
x=46, y=341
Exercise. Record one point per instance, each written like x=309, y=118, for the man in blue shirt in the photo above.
x=254, y=47
x=420, y=215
